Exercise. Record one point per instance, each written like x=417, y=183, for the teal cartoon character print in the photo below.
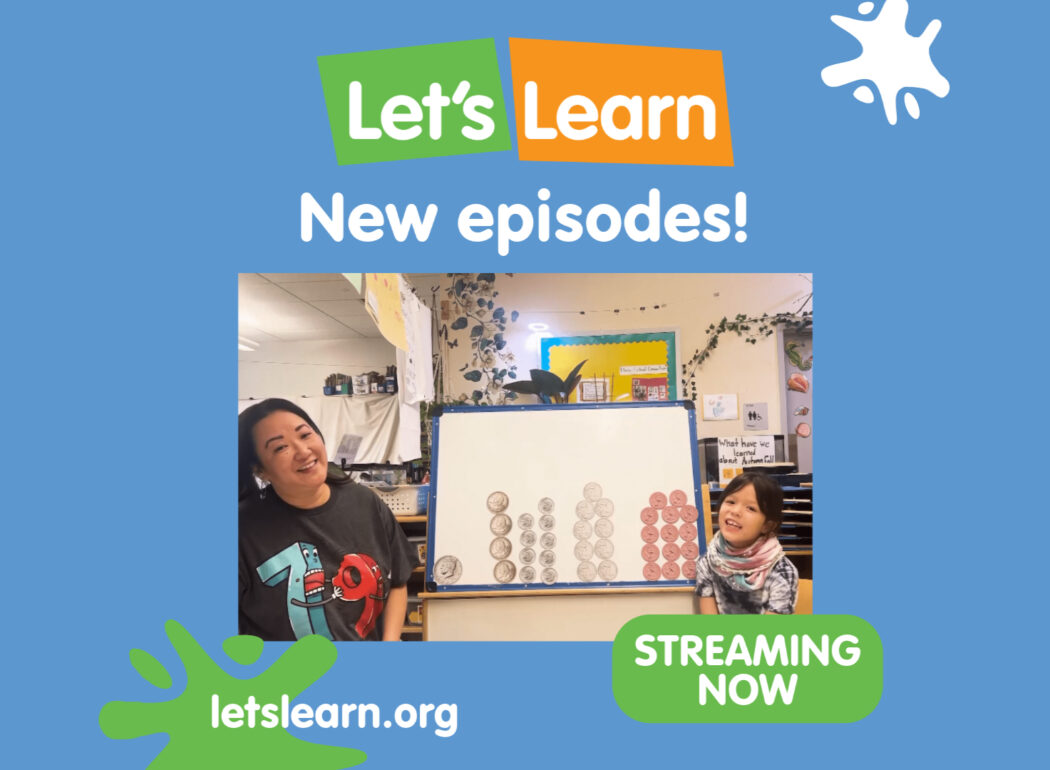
x=358, y=578
x=299, y=565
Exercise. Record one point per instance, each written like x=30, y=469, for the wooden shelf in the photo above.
x=409, y=525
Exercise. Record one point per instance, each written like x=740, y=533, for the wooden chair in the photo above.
x=705, y=496
x=804, y=603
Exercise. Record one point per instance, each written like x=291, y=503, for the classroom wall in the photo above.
x=573, y=304
x=292, y=369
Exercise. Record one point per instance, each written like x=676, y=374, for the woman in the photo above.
x=318, y=553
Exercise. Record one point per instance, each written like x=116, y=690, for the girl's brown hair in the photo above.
x=768, y=493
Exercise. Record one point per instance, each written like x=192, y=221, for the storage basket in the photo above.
x=406, y=499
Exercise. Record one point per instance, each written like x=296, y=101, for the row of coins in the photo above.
x=500, y=548
x=678, y=533
x=547, y=542
x=593, y=504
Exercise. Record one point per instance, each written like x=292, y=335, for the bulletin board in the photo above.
x=630, y=367
x=566, y=496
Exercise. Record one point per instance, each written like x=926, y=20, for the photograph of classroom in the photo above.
x=554, y=448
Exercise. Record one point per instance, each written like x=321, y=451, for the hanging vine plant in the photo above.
x=473, y=298
x=752, y=328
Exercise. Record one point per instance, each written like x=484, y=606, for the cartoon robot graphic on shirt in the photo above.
x=358, y=579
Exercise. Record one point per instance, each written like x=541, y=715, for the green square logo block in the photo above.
x=419, y=102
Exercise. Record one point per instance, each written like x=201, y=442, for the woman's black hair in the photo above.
x=768, y=493
x=248, y=459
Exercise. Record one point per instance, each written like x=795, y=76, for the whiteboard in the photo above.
x=567, y=496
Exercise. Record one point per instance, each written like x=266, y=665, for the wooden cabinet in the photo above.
x=415, y=527
x=408, y=503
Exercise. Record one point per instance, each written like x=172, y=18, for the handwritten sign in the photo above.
x=734, y=452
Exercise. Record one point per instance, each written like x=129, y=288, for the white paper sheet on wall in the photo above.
x=720, y=406
x=415, y=372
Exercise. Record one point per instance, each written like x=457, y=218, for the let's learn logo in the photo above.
x=581, y=102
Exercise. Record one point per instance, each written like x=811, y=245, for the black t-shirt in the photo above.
x=325, y=570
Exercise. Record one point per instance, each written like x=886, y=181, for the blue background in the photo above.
x=153, y=151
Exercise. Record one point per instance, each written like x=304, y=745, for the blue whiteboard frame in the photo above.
x=435, y=497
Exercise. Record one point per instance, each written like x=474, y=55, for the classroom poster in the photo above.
x=720, y=406
x=734, y=452
x=894, y=150
x=382, y=293
x=756, y=415
x=617, y=359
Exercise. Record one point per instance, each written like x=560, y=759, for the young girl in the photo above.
x=744, y=570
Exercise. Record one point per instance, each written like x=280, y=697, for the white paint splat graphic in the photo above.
x=890, y=58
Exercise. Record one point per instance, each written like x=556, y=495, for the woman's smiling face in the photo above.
x=291, y=454
x=740, y=520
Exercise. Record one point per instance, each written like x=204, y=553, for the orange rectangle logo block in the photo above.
x=606, y=103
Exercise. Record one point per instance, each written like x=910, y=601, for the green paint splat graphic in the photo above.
x=187, y=718
x=150, y=669
x=243, y=649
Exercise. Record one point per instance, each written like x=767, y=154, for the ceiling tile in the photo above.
x=344, y=333
x=326, y=290
x=363, y=326
x=341, y=308
x=254, y=333
x=263, y=294
x=303, y=277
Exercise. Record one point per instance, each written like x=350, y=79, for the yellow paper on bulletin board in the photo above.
x=621, y=360
x=383, y=303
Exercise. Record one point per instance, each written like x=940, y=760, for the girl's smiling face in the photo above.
x=291, y=454
x=740, y=520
